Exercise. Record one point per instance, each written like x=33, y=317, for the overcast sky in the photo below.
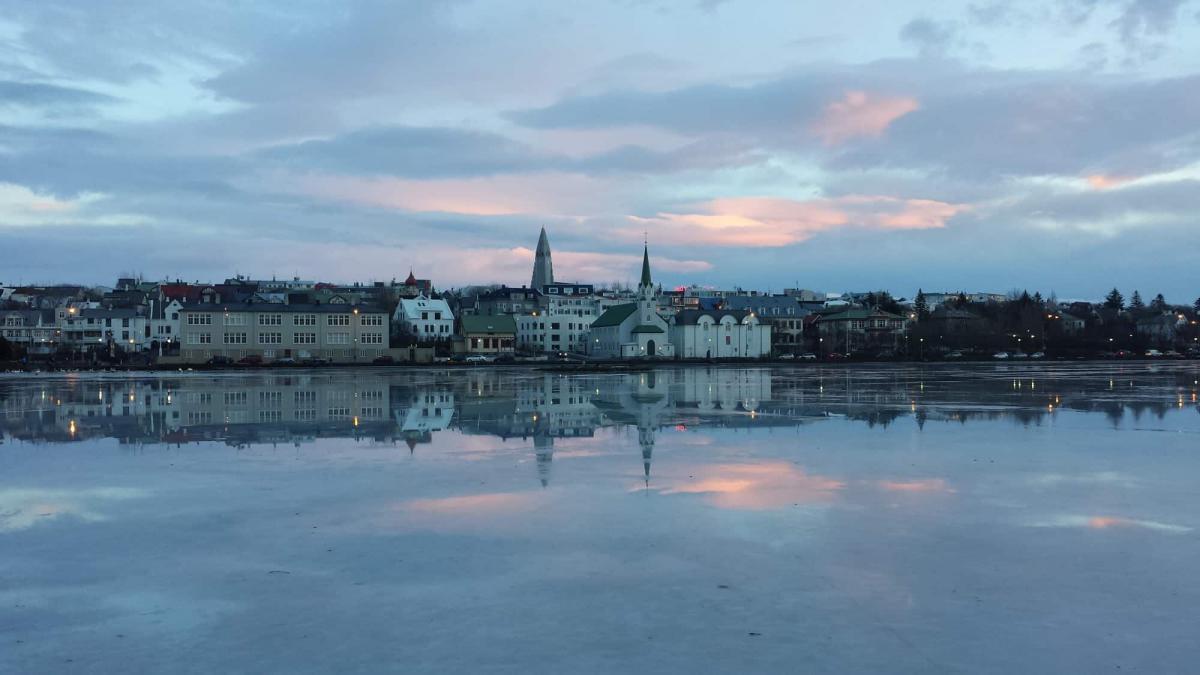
x=1051, y=144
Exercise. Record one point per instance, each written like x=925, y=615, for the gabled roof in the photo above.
x=615, y=315
x=489, y=324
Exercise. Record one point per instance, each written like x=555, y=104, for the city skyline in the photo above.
x=760, y=145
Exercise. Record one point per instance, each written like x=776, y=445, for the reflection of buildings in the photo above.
x=548, y=409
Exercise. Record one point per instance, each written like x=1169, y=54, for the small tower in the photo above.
x=645, y=290
x=543, y=266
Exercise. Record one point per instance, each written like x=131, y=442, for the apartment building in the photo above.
x=340, y=333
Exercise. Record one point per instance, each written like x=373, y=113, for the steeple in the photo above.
x=543, y=266
x=645, y=267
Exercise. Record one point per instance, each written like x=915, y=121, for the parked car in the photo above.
x=285, y=361
x=954, y=355
x=478, y=358
x=834, y=356
x=219, y=361
x=1000, y=355
x=808, y=356
x=506, y=358
x=1038, y=355
x=251, y=360
x=1153, y=353
x=315, y=361
x=787, y=357
x=1019, y=355
x=383, y=360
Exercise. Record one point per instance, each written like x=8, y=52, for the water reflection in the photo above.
x=412, y=406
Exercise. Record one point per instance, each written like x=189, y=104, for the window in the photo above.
x=235, y=398
x=305, y=338
x=236, y=319
x=304, y=320
x=124, y=323
x=305, y=397
x=200, y=339
x=338, y=319
x=424, y=316
x=727, y=339
x=270, y=319
x=372, y=338
x=337, y=338
x=270, y=338
x=199, y=319
x=235, y=338
x=371, y=320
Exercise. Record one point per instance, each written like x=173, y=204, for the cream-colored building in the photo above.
x=341, y=333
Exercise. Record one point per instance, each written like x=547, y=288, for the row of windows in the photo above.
x=277, y=338
x=241, y=319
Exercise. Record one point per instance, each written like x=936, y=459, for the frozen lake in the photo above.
x=989, y=519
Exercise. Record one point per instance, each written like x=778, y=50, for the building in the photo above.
x=33, y=330
x=543, y=266
x=635, y=329
x=340, y=333
x=720, y=334
x=507, y=300
x=783, y=313
x=489, y=334
x=854, y=329
x=424, y=318
x=89, y=328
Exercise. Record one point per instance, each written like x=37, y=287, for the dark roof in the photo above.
x=858, y=313
x=647, y=328
x=489, y=324
x=766, y=305
x=615, y=315
x=306, y=308
x=688, y=317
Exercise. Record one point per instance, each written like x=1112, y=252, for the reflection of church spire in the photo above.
x=646, y=441
x=411, y=443
x=543, y=448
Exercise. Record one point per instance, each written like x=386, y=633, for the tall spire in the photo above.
x=645, y=266
x=543, y=266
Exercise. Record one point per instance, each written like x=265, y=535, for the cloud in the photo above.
x=1100, y=181
x=930, y=37
x=756, y=487
x=22, y=207
x=861, y=114
x=41, y=95
x=772, y=222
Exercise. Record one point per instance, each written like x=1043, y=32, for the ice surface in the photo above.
x=995, y=519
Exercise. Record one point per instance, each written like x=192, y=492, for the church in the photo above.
x=635, y=329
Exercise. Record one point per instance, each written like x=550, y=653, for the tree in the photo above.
x=1135, y=303
x=1197, y=306
x=961, y=301
x=1114, y=300
x=1159, y=303
x=1037, y=299
x=922, y=306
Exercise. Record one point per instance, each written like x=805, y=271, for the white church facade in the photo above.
x=636, y=329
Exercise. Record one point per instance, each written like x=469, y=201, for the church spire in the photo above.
x=645, y=266
x=543, y=266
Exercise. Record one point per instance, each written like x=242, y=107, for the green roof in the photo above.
x=613, y=316
x=489, y=324
x=647, y=328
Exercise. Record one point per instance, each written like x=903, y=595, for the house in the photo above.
x=950, y=321
x=90, y=328
x=1071, y=324
x=340, y=333
x=424, y=318
x=634, y=329
x=783, y=313
x=507, y=300
x=719, y=334
x=34, y=330
x=489, y=334
x=1161, y=328
x=856, y=328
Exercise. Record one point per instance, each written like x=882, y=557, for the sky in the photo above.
x=1052, y=145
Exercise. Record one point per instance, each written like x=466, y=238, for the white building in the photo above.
x=719, y=334
x=633, y=330
x=425, y=318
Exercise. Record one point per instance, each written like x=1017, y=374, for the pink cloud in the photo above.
x=860, y=114
x=1100, y=181
x=768, y=221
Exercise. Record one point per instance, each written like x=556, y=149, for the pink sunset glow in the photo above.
x=1100, y=181
x=860, y=114
x=757, y=487
x=768, y=221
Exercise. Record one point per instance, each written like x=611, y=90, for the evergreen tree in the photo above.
x=1159, y=303
x=1196, y=306
x=1114, y=300
x=1135, y=303
x=1037, y=299
x=961, y=301
x=922, y=306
